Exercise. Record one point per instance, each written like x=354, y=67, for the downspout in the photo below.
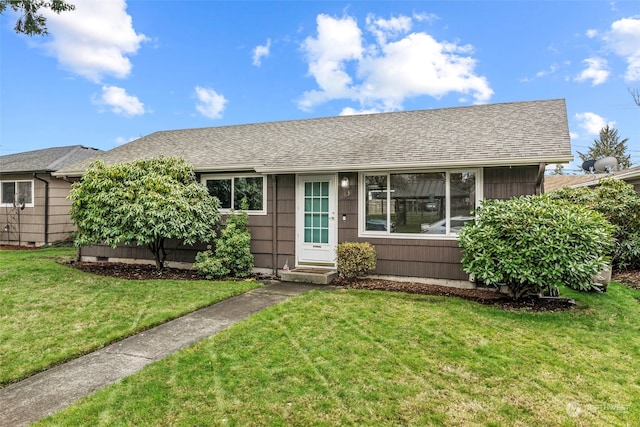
x=274, y=226
x=540, y=180
x=46, y=208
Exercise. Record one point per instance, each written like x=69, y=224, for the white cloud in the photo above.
x=596, y=71
x=210, y=103
x=95, y=39
x=592, y=123
x=338, y=41
x=388, y=28
x=349, y=111
x=624, y=39
x=117, y=99
x=260, y=52
x=384, y=73
x=591, y=33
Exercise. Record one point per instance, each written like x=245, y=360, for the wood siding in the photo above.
x=27, y=226
x=433, y=258
x=427, y=258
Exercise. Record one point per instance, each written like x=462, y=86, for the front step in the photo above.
x=316, y=276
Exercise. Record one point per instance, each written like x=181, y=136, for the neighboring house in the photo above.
x=554, y=182
x=404, y=181
x=34, y=209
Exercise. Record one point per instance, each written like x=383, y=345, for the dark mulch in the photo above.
x=479, y=295
x=631, y=278
x=135, y=271
x=482, y=296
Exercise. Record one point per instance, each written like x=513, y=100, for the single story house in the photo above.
x=404, y=181
x=34, y=209
x=630, y=176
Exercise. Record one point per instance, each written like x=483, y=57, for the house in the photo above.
x=34, y=209
x=404, y=181
x=554, y=182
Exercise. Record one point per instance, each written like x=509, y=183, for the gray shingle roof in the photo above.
x=46, y=160
x=494, y=134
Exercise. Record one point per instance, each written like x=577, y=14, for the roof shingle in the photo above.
x=493, y=134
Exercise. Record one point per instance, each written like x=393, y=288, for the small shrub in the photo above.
x=355, y=259
x=535, y=243
x=232, y=250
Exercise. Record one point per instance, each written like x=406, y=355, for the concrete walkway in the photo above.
x=50, y=391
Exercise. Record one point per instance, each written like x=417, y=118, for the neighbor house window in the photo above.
x=16, y=193
x=230, y=190
x=416, y=204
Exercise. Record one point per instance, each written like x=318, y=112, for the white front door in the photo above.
x=316, y=225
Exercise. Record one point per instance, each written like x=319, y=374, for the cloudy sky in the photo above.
x=114, y=70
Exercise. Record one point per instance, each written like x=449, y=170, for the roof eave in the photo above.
x=419, y=165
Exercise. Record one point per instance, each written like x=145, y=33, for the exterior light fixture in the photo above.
x=344, y=182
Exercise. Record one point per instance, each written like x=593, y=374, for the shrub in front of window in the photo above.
x=620, y=204
x=355, y=259
x=536, y=243
x=143, y=202
x=232, y=255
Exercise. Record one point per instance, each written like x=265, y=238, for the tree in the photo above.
x=31, y=22
x=609, y=144
x=144, y=202
x=635, y=94
x=558, y=169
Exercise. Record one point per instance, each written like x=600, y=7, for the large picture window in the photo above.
x=16, y=193
x=419, y=204
x=230, y=190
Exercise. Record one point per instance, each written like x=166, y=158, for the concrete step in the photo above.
x=316, y=276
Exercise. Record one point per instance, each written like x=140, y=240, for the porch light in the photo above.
x=344, y=182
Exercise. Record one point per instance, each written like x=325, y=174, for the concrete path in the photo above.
x=50, y=391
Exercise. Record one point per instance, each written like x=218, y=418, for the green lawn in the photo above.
x=373, y=358
x=50, y=313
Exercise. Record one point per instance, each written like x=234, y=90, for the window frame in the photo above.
x=16, y=181
x=387, y=234
x=206, y=177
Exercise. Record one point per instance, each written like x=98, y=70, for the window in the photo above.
x=230, y=190
x=16, y=193
x=425, y=204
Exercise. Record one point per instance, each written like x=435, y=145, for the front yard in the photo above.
x=50, y=313
x=347, y=357
x=352, y=357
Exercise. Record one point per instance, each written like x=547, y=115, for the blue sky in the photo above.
x=114, y=70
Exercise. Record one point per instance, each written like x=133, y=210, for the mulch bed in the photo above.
x=486, y=296
x=479, y=295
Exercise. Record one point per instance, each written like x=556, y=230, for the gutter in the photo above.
x=46, y=207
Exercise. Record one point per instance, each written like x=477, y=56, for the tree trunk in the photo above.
x=159, y=253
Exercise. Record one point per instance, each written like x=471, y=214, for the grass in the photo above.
x=50, y=313
x=374, y=358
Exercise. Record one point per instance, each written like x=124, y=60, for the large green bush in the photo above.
x=620, y=204
x=355, y=259
x=534, y=243
x=144, y=202
x=232, y=255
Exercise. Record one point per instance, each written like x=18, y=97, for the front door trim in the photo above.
x=318, y=254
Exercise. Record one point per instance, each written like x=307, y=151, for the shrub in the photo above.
x=355, y=259
x=620, y=204
x=232, y=250
x=533, y=243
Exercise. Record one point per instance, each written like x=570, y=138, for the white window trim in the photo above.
x=387, y=234
x=16, y=181
x=263, y=211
